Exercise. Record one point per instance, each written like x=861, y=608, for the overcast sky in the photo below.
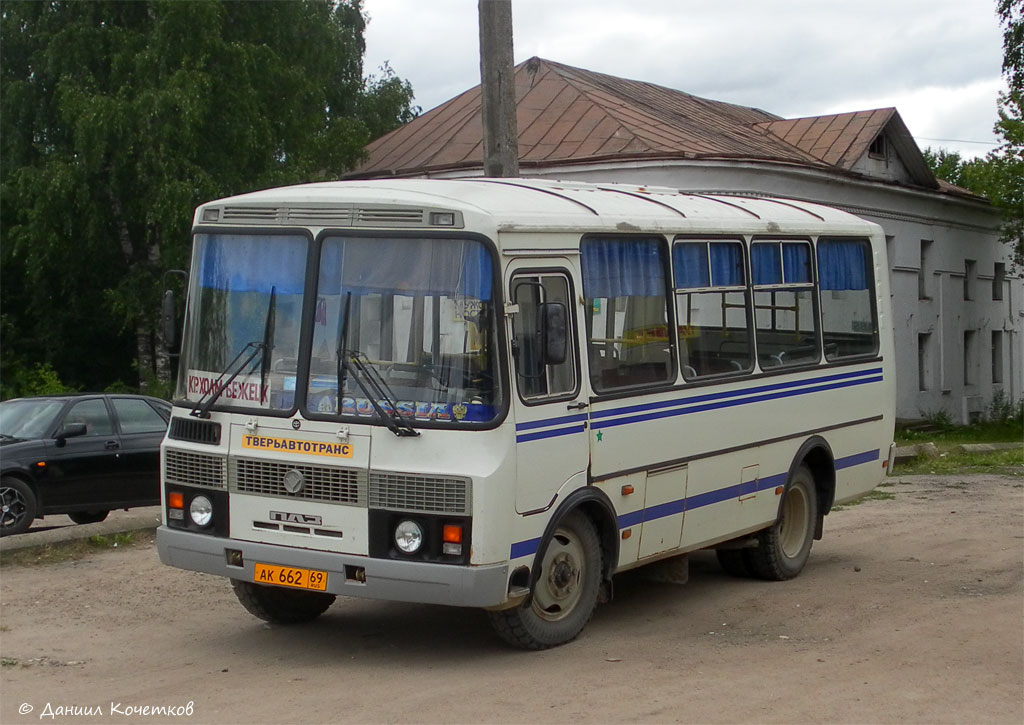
x=937, y=61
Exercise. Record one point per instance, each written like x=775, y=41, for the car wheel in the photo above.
x=88, y=517
x=565, y=594
x=17, y=506
x=784, y=548
x=279, y=605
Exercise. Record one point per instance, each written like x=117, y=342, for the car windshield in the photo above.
x=416, y=316
x=27, y=419
x=245, y=312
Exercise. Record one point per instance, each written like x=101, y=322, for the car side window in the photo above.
x=137, y=416
x=95, y=416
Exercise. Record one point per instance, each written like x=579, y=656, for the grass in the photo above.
x=74, y=550
x=947, y=438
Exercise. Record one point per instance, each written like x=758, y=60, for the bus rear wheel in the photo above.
x=783, y=549
x=565, y=594
x=279, y=605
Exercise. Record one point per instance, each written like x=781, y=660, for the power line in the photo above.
x=956, y=140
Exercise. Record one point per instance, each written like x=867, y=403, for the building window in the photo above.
x=924, y=340
x=998, y=279
x=997, y=356
x=878, y=147
x=970, y=278
x=923, y=271
x=970, y=356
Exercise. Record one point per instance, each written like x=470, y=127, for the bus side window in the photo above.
x=625, y=290
x=784, y=303
x=848, y=317
x=536, y=373
x=712, y=310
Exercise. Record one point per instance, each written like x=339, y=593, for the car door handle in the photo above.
x=111, y=445
x=576, y=406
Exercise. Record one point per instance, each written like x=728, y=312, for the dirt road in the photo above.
x=911, y=610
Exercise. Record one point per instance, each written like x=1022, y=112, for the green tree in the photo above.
x=1010, y=126
x=118, y=118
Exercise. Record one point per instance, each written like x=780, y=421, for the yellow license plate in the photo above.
x=289, y=576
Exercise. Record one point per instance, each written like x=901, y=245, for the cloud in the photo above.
x=789, y=57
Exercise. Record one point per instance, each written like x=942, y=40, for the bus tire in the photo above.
x=565, y=594
x=783, y=549
x=279, y=605
x=734, y=562
x=17, y=506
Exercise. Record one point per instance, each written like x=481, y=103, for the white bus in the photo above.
x=499, y=393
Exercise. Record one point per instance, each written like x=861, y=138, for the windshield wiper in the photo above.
x=368, y=380
x=202, y=407
x=375, y=388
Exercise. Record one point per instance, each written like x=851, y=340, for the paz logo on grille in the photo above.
x=290, y=518
x=294, y=481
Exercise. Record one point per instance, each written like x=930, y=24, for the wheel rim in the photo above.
x=560, y=584
x=793, y=527
x=12, y=508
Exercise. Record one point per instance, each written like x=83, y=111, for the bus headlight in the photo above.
x=408, y=536
x=201, y=511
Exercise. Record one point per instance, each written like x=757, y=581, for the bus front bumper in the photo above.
x=400, y=581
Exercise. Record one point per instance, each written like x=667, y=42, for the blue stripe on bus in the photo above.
x=530, y=425
x=731, y=403
x=550, y=433
x=856, y=460
x=731, y=393
x=671, y=508
x=715, y=400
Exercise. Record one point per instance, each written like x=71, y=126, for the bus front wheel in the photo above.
x=565, y=593
x=279, y=605
x=783, y=549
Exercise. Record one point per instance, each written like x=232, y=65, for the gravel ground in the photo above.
x=911, y=610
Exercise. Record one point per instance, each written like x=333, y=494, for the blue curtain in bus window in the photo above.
x=767, y=263
x=842, y=265
x=690, y=263
x=410, y=267
x=726, y=264
x=622, y=268
x=253, y=264
x=796, y=260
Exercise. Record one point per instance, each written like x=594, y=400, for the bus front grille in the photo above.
x=186, y=468
x=319, y=483
x=412, y=492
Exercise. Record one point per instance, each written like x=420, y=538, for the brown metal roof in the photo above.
x=568, y=115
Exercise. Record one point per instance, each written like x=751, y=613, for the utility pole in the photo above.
x=497, y=89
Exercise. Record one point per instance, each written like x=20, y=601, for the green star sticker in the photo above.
x=600, y=434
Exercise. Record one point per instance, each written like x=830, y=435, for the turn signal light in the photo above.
x=176, y=500
x=452, y=534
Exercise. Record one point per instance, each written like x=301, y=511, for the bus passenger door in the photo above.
x=549, y=403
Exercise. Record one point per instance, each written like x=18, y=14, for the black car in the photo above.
x=80, y=455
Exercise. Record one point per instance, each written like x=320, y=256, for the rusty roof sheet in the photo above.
x=568, y=115
x=838, y=140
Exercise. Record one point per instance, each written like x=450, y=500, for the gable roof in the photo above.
x=842, y=139
x=568, y=115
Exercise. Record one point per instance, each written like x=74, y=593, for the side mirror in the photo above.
x=554, y=323
x=168, y=318
x=71, y=430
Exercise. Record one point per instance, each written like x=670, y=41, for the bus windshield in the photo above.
x=247, y=293
x=419, y=315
